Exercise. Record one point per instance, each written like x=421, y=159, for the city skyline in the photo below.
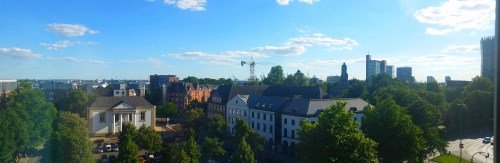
x=206, y=38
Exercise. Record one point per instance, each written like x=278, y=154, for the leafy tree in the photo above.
x=29, y=103
x=217, y=127
x=77, y=102
x=427, y=116
x=70, y=139
x=128, y=151
x=275, y=76
x=213, y=148
x=297, y=79
x=191, y=79
x=192, y=150
x=399, y=139
x=480, y=109
x=335, y=132
x=167, y=110
x=14, y=134
x=243, y=154
x=172, y=153
x=433, y=87
x=148, y=139
x=478, y=83
x=355, y=89
x=243, y=131
x=154, y=96
x=193, y=118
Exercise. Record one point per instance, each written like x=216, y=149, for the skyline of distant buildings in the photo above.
x=487, y=57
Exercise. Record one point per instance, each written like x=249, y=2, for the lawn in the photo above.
x=448, y=159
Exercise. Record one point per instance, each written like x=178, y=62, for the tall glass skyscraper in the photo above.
x=487, y=57
x=374, y=67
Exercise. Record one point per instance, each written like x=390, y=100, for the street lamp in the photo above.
x=485, y=154
x=461, y=145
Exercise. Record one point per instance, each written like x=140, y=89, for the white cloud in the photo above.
x=457, y=15
x=287, y=2
x=97, y=61
x=462, y=49
x=319, y=39
x=70, y=30
x=73, y=59
x=194, y=5
x=16, y=52
x=154, y=62
x=287, y=50
x=432, y=31
x=206, y=58
x=58, y=45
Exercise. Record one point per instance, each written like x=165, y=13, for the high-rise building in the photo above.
x=374, y=67
x=156, y=81
x=430, y=79
x=405, y=74
x=487, y=57
x=333, y=79
x=342, y=84
x=6, y=86
x=447, y=78
x=389, y=70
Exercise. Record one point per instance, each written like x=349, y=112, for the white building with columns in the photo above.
x=108, y=114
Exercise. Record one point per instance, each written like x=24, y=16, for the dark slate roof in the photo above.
x=306, y=92
x=267, y=103
x=109, y=102
x=245, y=90
x=312, y=107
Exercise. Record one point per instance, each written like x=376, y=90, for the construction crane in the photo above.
x=251, y=63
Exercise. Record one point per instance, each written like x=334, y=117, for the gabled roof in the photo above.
x=312, y=107
x=267, y=103
x=110, y=102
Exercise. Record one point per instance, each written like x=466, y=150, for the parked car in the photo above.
x=104, y=159
x=99, y=149
x=492, y=141
x=487, y=140
x=113, y=159
x=107, y=147
x=114, y=147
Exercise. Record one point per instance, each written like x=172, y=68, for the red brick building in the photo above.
x=183, y=94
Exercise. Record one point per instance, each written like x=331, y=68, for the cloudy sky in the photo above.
x=88, y=39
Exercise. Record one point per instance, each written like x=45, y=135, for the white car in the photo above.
x=108, y=148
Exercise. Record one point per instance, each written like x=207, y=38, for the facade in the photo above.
x=405, y=74
x=264, y=111
x=333, y=79
x=182, y=94
x=55, y=90
x=237, y=108
x=6, y=86
x=375, y=67
x=107, y=114
x=430, y=79
x=303, y=109
x=389, y=70
x=487, y=57
x=217, y=102
x=156, y=81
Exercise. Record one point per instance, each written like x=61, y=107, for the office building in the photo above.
x=389, y=70
x=405, y=74
x=487, y=57
x=430, y=79
x=6, y=86
x=156, y=81
x=375, y=67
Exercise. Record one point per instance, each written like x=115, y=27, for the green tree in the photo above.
x=392, y=128
x=355, y=89
x=29, y=103
x=213, y=149
x=70, y=140
x=297, y=79
x=128, y=151
x=275, y=76
x=192, y=150
x=433, y=87
x=77, y=102
x=335, y=132
x=194, y=118
x=243, y=131
x=480, y=110
x=191, y=79
x=14, y=134
x=243, y=154
x=154, y=96
x=217, y=127
x=427, y=116
x=182, y=157
x=148, y=139
x=167, y=110
x=479, y=83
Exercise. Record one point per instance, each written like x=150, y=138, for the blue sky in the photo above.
x=60, y=39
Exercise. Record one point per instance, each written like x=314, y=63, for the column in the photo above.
x=113, y=123
x=121, y=121
x=135, y=120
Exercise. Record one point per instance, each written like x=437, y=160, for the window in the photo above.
x=285, y=133
x=143, y=116
x=253, y=115
x=130, y=117
x=293, y=121
x=271, y=129
x=245, y=113
x=117, y=92
x=271, y=117
x=285, y=121
x=102, y=118
x=258, y=126
x=293, y=134
x=253, y=125
x=264, y=128
x=264, y=116
x=117, y=117
x=258, y=115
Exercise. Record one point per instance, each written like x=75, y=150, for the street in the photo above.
x=472, y=146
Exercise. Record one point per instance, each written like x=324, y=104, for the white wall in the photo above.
x=236, y=108
x=256, y=121
x=292, y=127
